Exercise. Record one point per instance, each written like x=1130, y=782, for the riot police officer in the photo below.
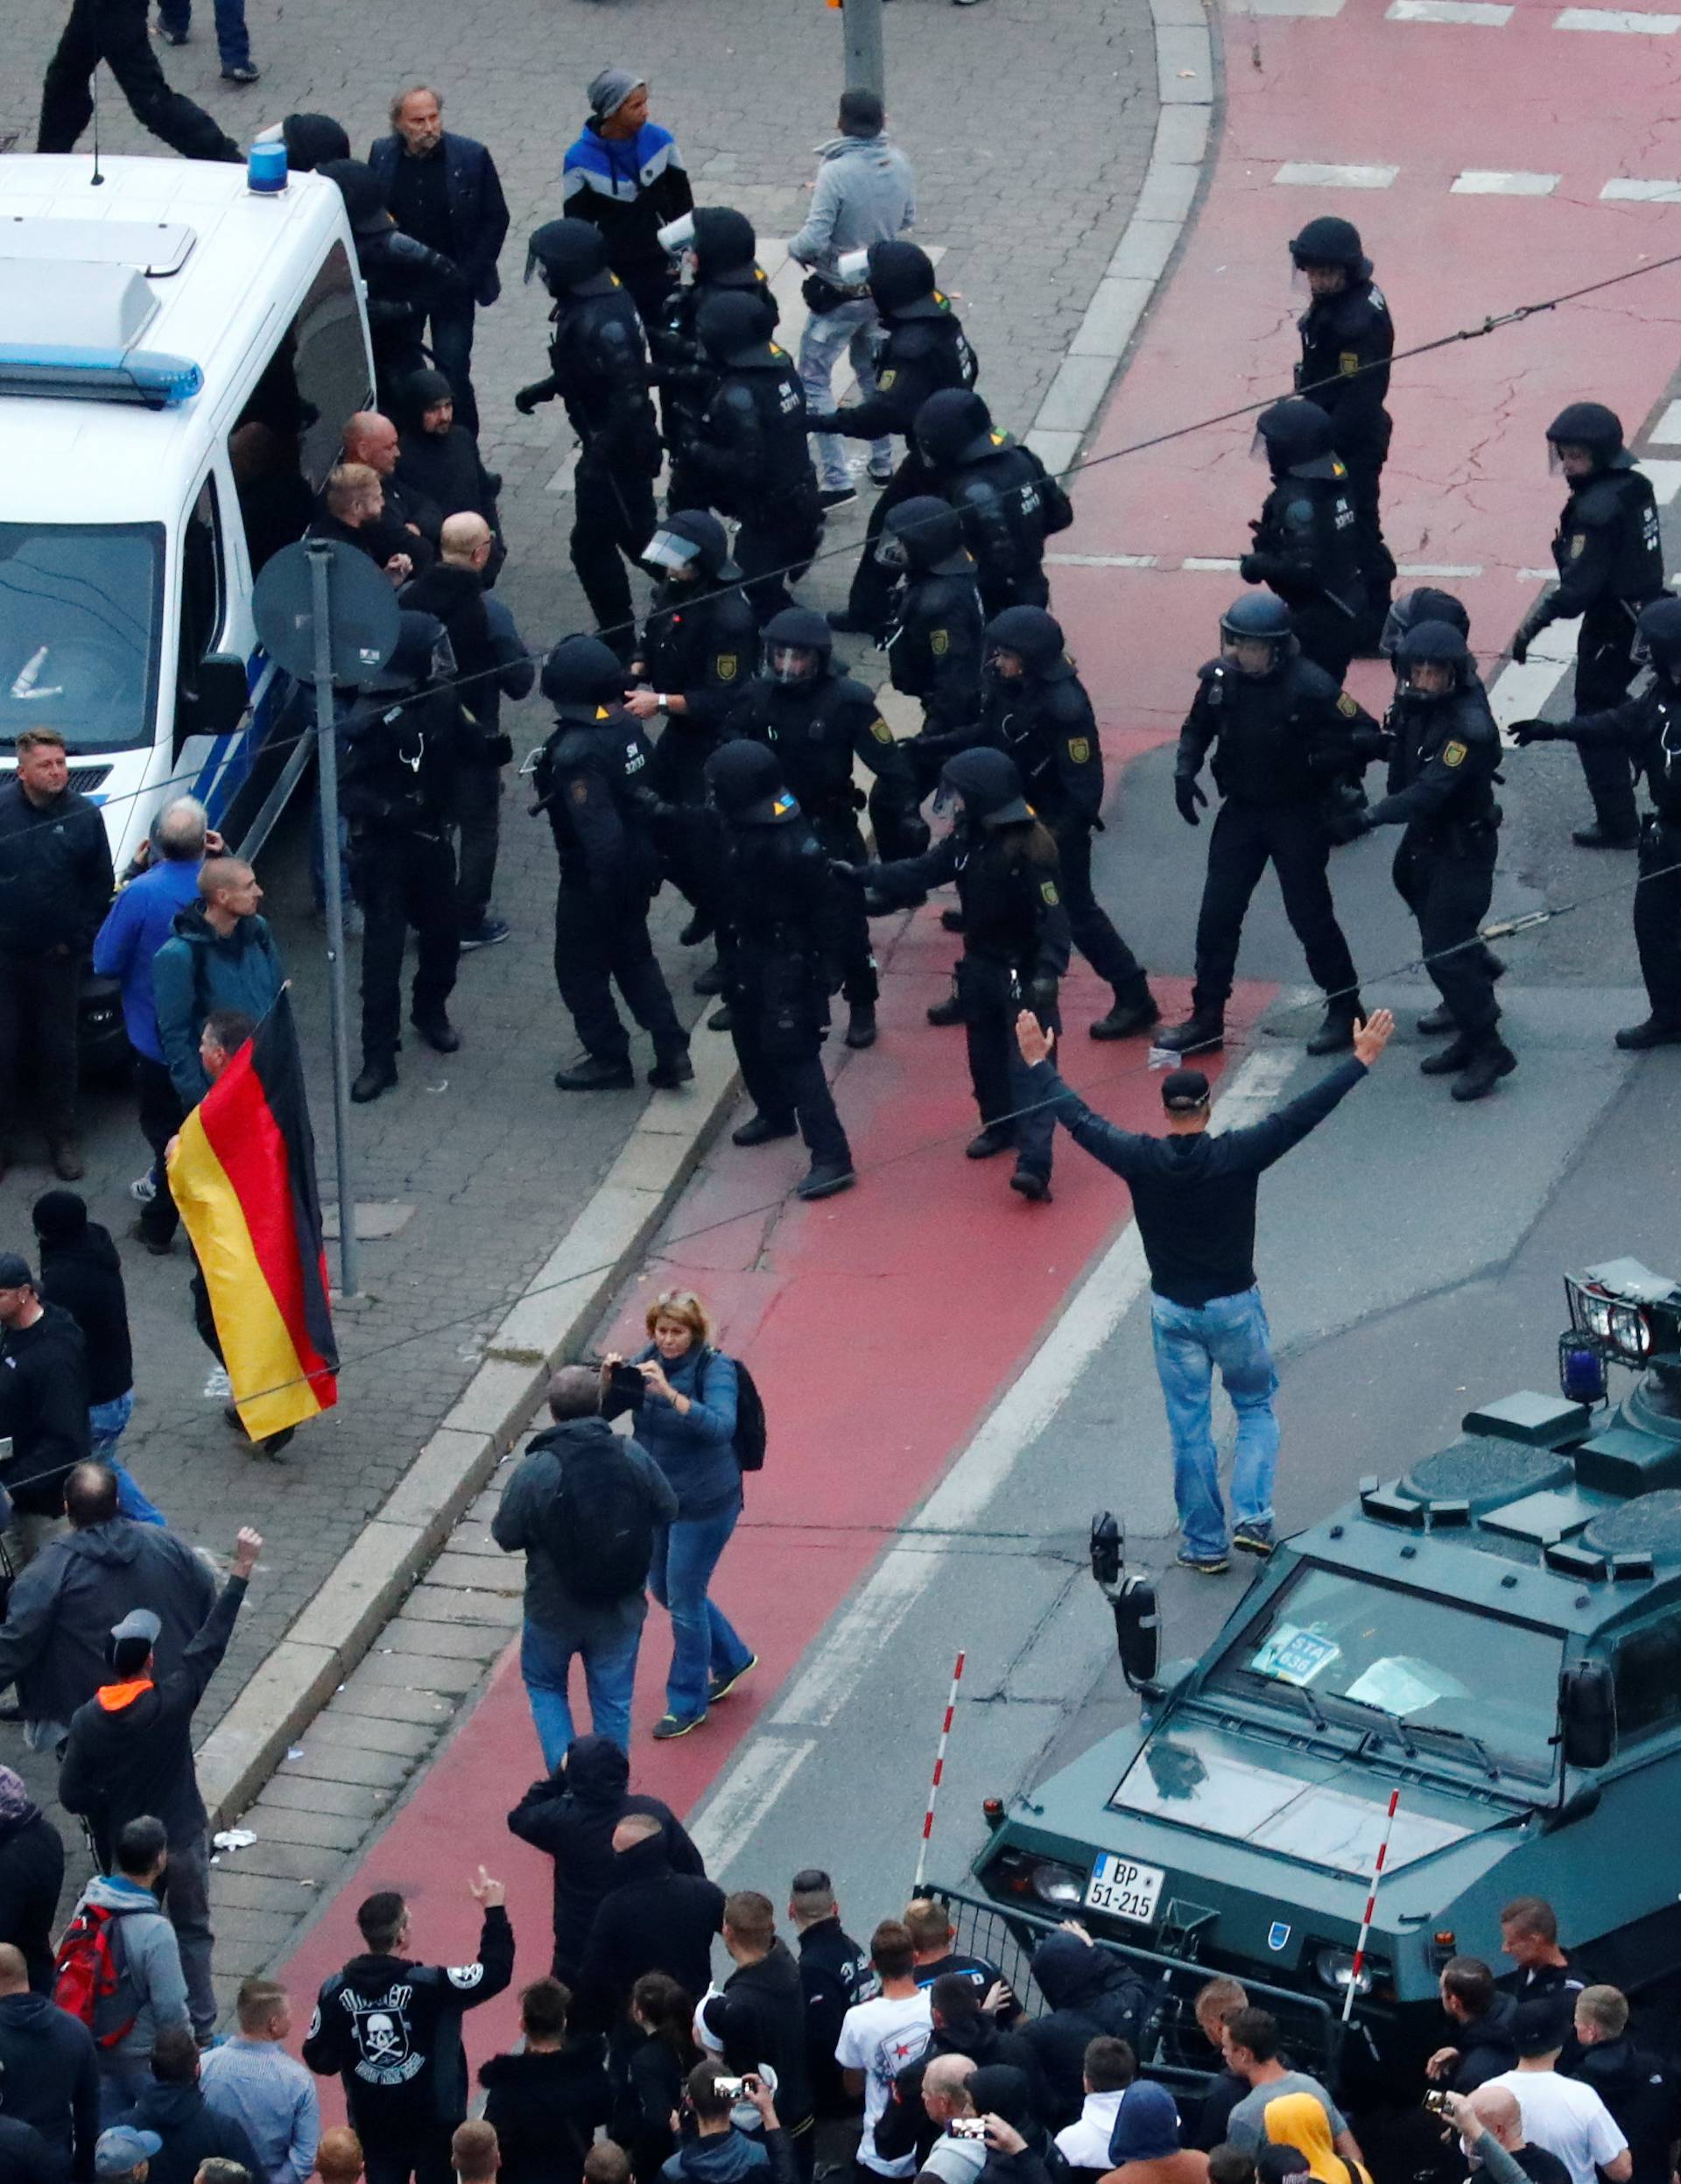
x=1009, y=502
x=1014, y=947
x=1280, y=731
x=587, y=776
x=750, y=457
x=1306, y=544
x=817, y=719
x=405, y=279
x=1610, y=563
x=1647, y=729
x=1347, y=339
x=784, y=908
x=1035, y=709
x=923, y=349
x=598, y=365
x=719, y=252
x=933, y=646
x=402, y=744
x=698, y=651
x=1444, y=754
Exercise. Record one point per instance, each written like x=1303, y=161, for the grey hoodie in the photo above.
x=865, y=193
x=152, y=1988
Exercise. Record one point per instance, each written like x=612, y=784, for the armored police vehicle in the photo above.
x=1495, y=1636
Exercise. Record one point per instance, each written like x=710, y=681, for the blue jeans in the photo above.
x=1190, y=1341
x=609, y=1674
x=233, y=40
x=850, y=326
x=108, y=1422
x=703, y=1643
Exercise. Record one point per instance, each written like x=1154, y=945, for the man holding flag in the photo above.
x=242, y=1172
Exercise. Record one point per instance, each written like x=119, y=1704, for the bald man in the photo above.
x=220, y=955
x=493, y=662
x=1492, y=2112
x=409, y=521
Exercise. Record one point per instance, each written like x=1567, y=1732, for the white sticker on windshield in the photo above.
x=1292, y=1655
x=1398, y=1684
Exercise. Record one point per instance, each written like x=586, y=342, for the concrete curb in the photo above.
x=1184, y=136
x=562, y=1303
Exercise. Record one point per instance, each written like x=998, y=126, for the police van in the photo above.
x=179, y=352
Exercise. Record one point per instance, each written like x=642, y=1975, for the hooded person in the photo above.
x=310, y=139
x=570, y=1815
x=81, y=1271
x=31, y=1875
x=653, y=1919
x=1299, y=2121
x=439, y=458
x=1001, y=2090
x=1090, y=1989
x=1145, y=2145
x=48, y=2066
x=961, y=2026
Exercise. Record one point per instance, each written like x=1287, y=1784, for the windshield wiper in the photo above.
x=1462, y=1737
x=1388, y=1724
x=1315, y=1711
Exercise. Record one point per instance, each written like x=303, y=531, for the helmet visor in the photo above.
x=677, y=235
x=891, y=552
x=1396, y=623
x=790, y=663
x=668, y=554
x=443, y=659
x=852, y=268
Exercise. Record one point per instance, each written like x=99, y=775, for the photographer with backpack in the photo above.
x=586, y=1509
x=700, y=1418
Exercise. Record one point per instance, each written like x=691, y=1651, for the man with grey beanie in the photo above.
x=625, y=176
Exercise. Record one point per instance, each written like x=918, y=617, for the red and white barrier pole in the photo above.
x=1371, y=1905
x=933, y=1787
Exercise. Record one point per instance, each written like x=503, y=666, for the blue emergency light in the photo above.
x=76, y=374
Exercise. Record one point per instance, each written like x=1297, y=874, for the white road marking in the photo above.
x=1481, y=11
x=1101, y=560
x=1667, y=431
x=767, y=1765
x=1642, y=193
x=1205, y=561
x=1286, y=7
x=1665, y=477
x=1315, y=175
x=1498, y=182
x=1518, y=693
x=1617, y=19
x=1537, y=576
x=1441, y=568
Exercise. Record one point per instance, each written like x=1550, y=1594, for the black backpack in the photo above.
x=750, y=1415
x=598, y=1529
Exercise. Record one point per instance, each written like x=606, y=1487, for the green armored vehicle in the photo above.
x=1496, y=1635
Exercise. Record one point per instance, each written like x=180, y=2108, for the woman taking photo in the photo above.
x=687, y=1421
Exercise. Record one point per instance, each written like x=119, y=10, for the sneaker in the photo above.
x=721, y=1687
x=247, y=72
x=143, y=1190
x=1203, y=1565
x=217, y=1387
x=1253, y=1538
x=837, y=496
x=827, y=1180
x=158, y=1246
x=489, y=932
x=64, y=1155
x=169, y=37
x=670, y=1725
x=880, y=477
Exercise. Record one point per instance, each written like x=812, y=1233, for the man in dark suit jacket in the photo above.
x=443, y=190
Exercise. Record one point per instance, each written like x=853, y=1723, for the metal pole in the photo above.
x=940, y=1769
x=861, y=22
x=1371, y=1905
x=327, y=743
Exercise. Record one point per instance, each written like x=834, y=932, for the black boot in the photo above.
x=1127, y=1017
x=861, y=1025
x=1599, y=836
x=1032, y=1184
x=438, y=1033
x=721, y=1019
x=763, y=1130
x=711, y=980
x=827, y=1178
x=1657, y=1030
x=1336, y=1029
x=1435, y=1021
x=379, y=1074
x=595, y=1073
x=1198, y=1034
x=670, y=1070
x=1451, y=1060
x=952, y=920
x=1493, y=1060
x=948, y=1011
x=698, y=929
x=995, y=1138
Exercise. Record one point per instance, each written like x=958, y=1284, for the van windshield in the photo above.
x=80, y=611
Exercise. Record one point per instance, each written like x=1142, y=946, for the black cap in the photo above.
x=15, y=1272
x=1183, y=1091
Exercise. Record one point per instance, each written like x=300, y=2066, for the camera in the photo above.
x=1436, y=2103
x=734, y=2088
x=968, y=2126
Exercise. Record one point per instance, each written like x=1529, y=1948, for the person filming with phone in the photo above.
x=723, y=2149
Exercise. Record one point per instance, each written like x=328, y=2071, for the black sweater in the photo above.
x=545, y=2108
x=1194, y=1195
x=31, y=1875
x=85, y=1278
x=44, y=1408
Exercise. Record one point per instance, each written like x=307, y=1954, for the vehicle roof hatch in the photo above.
x=155, y=248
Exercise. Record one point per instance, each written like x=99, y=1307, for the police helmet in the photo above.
x=569, y=252
x=1659, y=634
x=1291, y=434
x=583, y=670
x=723, y=240
x=310, y=140
x=950, y=425
x=1034, y=636
x=744, y=779
x=1588, y=425
x=1328, y=241
x=920, y=534
x=364, y=194
x=691, y=544
x=730, y=321
x=787, y=636
x=1260, y=617
x=990, y=787
x=1425, y=605
x=902, y=280
x=421, y=654
x=1438, y=644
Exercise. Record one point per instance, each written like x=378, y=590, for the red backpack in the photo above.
x=86, y=1972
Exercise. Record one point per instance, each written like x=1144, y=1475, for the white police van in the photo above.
x=179, y=353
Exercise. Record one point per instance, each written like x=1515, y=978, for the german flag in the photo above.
x=242, y=1172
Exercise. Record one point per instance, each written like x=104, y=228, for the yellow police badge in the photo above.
x=1453, y=754
x=1048, y=890
x=879, y=730
x=728, y=667
x=940, y=642
x=1080, y=748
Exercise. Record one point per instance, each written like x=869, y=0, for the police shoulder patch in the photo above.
x=1048, y=893
x=886, y=378
x=1454, y=753
x=1347, y=705
x=940, y=642
x=1080, y=748
x=726, y=666
x=1348, y=362
x=879, y=730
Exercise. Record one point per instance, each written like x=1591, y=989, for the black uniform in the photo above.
x=817, y=728
x=406, y=280
x=401, y=749
x=1009, y=501
x=586, y=778
x=700, y=643
x=1042, y=719
x=687, y=378
x=1307, y=551
x=1279, y=741
x=836, y=1974
x=934, y=642
x=1347, y=342
x=390, y=2031
x=1638, y=2086
x=115, y=31
x=750, y=457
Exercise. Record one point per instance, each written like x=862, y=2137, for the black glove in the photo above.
x=1531, y=626
x=1188, y=794
x=1527, y=732
x=1348, y=826
x=1041, y=997
x=828, y=422
x=849, y=875
x=1249, y=568
x=528, y=398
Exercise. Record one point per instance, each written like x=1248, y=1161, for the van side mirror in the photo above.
x=1132, y=1602
x=1587, y=1715
x=216, y=702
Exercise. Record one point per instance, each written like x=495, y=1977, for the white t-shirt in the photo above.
x=881, y=2038
x=1565, y=2117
